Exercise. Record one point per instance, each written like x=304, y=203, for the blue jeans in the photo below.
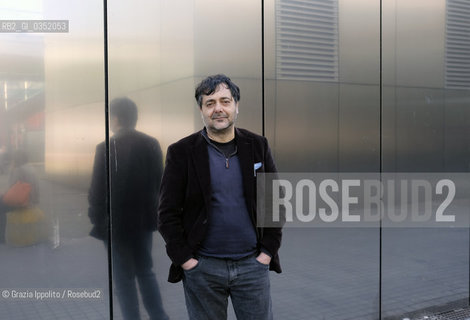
x=208, y=285
x=132, y=260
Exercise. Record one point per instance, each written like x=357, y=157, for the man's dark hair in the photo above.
x=125, y=110
x=209, y=85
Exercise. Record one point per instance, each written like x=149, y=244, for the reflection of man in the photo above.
x=3, y=153
x=135, y=169
x=207, y=212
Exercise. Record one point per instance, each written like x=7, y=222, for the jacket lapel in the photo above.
x=200, y=157
x=246, y=157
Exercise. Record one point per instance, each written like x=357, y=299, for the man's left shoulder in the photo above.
x=246, y=134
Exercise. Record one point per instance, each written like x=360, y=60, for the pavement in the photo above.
x=328, y=273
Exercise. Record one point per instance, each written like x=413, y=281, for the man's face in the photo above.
x=219, y=110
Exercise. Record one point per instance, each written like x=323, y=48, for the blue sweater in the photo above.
x=230, y=233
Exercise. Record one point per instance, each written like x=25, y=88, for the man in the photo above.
x=207, y=212
x=136, y=169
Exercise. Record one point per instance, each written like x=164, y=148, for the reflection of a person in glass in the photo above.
x=135, y=169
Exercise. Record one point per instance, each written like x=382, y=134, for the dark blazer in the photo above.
x=185, y=196
x=136, y=166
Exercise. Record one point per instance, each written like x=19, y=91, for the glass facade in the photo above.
x=423, y=121
x=335, y=85
x=52, y=113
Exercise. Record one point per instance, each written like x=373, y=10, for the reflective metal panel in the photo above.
x=328, y=125
x=52, y=115
x=158, y=52
x=425, y=128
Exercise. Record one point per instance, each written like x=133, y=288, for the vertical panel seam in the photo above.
x=108, y=177
x=380, y=147
x=262, y=72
